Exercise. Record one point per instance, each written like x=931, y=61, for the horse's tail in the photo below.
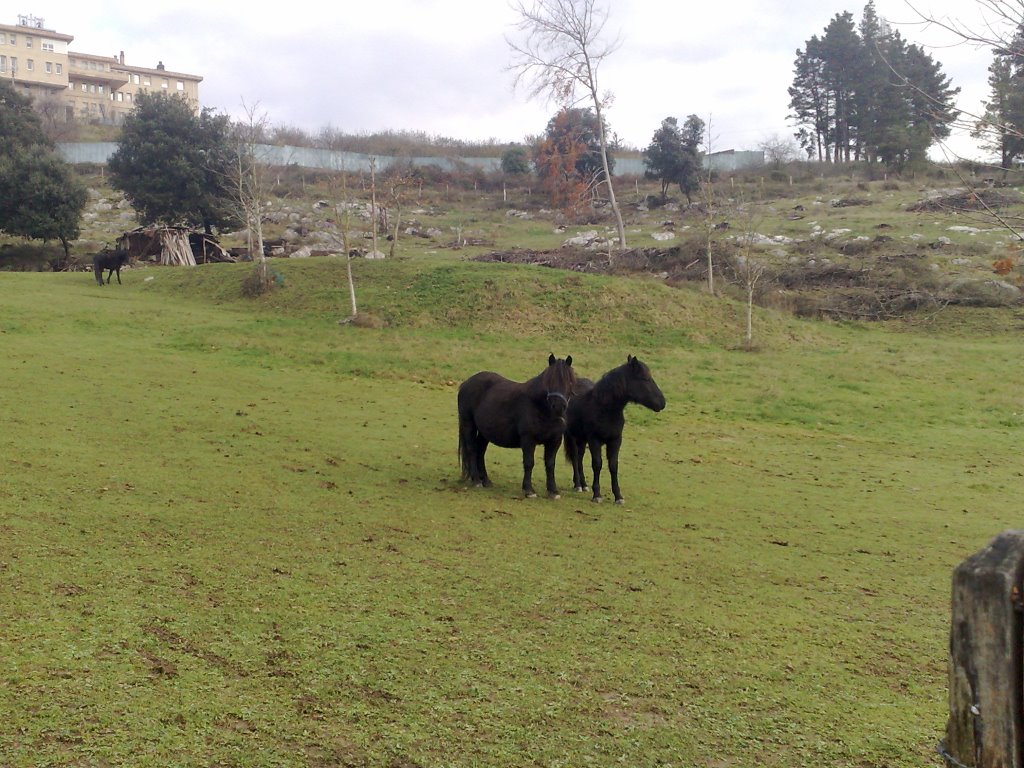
x=466, y=446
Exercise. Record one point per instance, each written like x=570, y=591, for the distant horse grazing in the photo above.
x=493, y=409
x=112, y=261
x=595, y=418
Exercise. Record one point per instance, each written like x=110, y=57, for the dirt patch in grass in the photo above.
x=869, y=280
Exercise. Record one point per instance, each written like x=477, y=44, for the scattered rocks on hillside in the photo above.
x=966, y=200
x=591, y=240
x=847, y=202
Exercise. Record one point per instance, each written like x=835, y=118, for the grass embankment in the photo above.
x=232, y=533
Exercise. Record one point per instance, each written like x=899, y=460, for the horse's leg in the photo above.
x=528, y=450
x=613, y=466
x=119, y=276
x=98, y=273
x=575, y=448
x=550, y=455
x=481, y=466
x=595, y=464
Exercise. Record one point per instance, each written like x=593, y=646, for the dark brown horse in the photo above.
x=111, y=261
x=493, y=409
x=595, y=418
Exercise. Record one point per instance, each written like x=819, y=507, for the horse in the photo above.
x=112, y=261
x=595, y=418
x=493, y=409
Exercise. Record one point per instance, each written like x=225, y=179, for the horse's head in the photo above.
x=559, y=381
x=640, y=385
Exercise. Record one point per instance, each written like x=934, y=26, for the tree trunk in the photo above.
x=619, y=225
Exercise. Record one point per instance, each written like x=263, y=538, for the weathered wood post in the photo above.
x=986, y=689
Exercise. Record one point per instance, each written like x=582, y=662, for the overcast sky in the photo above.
x=441, y=66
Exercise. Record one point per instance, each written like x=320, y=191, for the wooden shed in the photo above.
x=172, y=246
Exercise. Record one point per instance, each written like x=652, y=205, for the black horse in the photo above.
x=595, y=418
x=493, y=409
x=111, y=261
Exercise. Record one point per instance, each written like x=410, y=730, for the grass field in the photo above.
x=233, y=532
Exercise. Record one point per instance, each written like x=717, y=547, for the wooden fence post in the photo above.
x=986, y=689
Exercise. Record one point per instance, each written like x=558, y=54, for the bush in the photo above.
x=261, y=280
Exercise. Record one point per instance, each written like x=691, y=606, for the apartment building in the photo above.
x=80, y=86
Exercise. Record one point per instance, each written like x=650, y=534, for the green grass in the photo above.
x=233, y=533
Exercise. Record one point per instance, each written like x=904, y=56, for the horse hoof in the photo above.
x=554, y=496
x=597, y=499
x=531, y=495
x=479, y=485
x=620, y=501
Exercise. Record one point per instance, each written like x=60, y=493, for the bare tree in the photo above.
x=249, y=187
x=398, y=183
x=560, y=53
x=748, y=270
x=709, y=204
x=373, y=203
x=779, y=150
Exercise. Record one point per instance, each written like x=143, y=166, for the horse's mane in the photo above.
x=559, y=377
x=613, y=383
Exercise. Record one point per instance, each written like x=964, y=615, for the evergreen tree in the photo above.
x=174, y=165
x=515, y=161
x=843, y=59
x=810, y=101
x=868, y=96
x=672, y=156
x=1001, y=127
x=40, y=196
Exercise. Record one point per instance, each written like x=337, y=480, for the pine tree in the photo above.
x=868, y=96
x=1001, y=127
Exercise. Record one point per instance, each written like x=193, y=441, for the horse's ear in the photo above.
x=568, y=360
x=551, y=359
x=630, y=358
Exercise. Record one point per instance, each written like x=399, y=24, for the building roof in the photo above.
x=22, y=29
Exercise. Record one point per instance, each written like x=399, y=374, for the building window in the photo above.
x=135, y=79
x=99, y=89
x=146, y=80
x=92, y=87
x=47, y=47
x=28, y=41
x=181, y=85
x=14, y=39
x=30, y=65
x=85, y=88
x=49, y=68
x=3, y=63
x=164, y=85
x=60, y=69
x=119, y=96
